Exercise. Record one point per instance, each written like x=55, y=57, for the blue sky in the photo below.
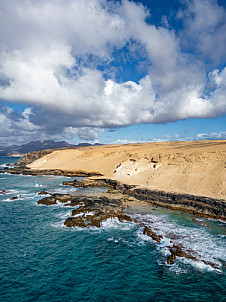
x=112, y=71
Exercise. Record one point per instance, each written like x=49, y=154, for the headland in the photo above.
x=197, y=168
x=186, y=176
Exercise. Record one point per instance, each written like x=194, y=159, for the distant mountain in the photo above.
x=32, y=146
x=38, y=146
x=87, y=145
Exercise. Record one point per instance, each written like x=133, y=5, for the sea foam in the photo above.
x=201, y=243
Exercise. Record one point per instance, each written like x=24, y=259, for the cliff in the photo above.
x=28, y=158
x=197, y=168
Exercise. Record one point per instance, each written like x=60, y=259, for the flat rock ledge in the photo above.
x=197, y=205
x=89, y=211
x=26, y=171
x=93, y=211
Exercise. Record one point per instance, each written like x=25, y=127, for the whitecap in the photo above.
x=177, y=269
x=28, y=196
x=63, y=190
x=59, y=225
x=113, y=239
x=114, y=223
x=64, y=215
x=19, y=197
x=37, y=185
x=13, y=192
x=8, y=200
x=23, y=175
x=85, y=214
x=52, y=176
x=5, y=166
x=200, y=243
x=41, y=195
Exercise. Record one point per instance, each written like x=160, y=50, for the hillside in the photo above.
x=197, y=167
x=37, y=146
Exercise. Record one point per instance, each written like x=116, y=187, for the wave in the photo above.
x=17, y=195
x=6, y=165
x=37, y=185
x=198, y=241
x=63, y=190
x=13, y=191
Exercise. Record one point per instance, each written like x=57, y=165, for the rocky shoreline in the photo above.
x=57, y=172
x=92, y=211
x=197, y=205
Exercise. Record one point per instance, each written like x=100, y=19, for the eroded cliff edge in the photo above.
x=30, y=157
x=186, y=176
x=196, y=168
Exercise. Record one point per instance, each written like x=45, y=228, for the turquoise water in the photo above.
x=41, y=260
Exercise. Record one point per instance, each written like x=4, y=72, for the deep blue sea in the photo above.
x=41, y=260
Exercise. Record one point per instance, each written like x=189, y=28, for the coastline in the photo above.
x=193, y=173
x=160, y=240
x=197, y=168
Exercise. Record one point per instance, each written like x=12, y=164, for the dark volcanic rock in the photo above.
x=93, y=211
x=47, y=201
x=63, y=197
x=3, y=192
x=197, y=205
x=50, y=200
x=75, y=183
x=21, y=169
x=209, y=263
x=43, y=193
x=178, y=251
x=148, y=231
x=28, y=158
x=74, y=221
x=171, y=259
x=94, y=220
x=123, y=217
x=86, y=183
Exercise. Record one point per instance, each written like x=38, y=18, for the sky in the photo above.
x=107, y=72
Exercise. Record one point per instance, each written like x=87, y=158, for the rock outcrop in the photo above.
x=148, y=231
x=91, y=211
x=50, y=200
x=26, y=171
x=196, y=168
x=28, y=158
x=179, y=251
x=197, y=205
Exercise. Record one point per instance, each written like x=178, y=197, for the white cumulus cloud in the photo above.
x=50, y=52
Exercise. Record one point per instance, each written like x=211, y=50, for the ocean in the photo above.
x=41, y=260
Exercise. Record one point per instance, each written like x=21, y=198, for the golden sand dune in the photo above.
x=197, y=167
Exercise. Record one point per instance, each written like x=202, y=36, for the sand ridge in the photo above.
x=197, y=167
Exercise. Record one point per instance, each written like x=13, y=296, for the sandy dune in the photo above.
x=197, y=167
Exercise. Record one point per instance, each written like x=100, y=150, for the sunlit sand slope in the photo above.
x=197, y=167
